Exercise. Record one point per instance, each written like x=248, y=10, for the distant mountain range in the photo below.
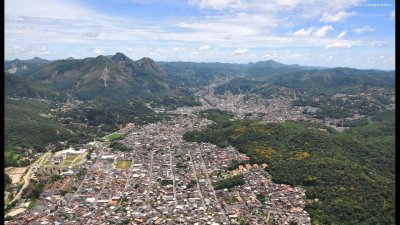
x=117, y=77
x=19, y=66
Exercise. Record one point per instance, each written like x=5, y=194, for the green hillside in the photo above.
x=15, y=86
x=24, y=128
x=314, y=82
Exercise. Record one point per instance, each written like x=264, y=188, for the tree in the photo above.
x=7, y=180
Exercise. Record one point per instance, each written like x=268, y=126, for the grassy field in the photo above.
x=123, y=164
x=113, y=136
x=69, y=159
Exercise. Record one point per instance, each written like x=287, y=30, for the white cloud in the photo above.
x=216, y=4
x=61, y=9
x=320, y=33
x=338, y=45
x=393, y=14
x=98, y=51
x=381, y=56
x=241, y=51
x=14, y=50
x=271, y=56
x=204, y=47
x=303, y=32
x=178, y=49
x=310, y=7
x=43, y=50
x=294, y=55
x=342, y=34
x=361, y=30
x=377, y=44
x=340, y=16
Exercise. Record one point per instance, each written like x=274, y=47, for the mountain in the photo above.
x=149, y=66
x=37, y=61
x=315, y=81
x=110, y=78
x=113, y=90
x=336, y=79
x=203, y=73
x=18, y=66
x=267, y=64
x=15, y=86
x=191, y=74
x=271, y=67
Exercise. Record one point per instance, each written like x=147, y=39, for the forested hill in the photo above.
x=351, y=173
x=323, y=81
x=115, y=78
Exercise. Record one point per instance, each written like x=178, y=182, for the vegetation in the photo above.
x=217, y=115
x=187, y=74
x=37, y=189
x=69, y=159
x=123, y=164
x=261, y=197
x=229, y=182
x=345, y=171
x=32, y=203
x=116, y=146
x=11, y=158
x=113, y=136
x=166, y=182
x=180, y=165
x=7, y=180
x=16, y=86
x=25, y=129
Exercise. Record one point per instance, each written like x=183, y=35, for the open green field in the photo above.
x=69, y=159
x=123, y=164
x=113, y=136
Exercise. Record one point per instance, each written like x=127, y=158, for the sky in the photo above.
x=345, y=33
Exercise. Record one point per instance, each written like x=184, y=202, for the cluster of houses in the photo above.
x=276, y=108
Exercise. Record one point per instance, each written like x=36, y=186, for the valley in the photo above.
x=230, y=155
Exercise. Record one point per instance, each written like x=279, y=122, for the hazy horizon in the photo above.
x=243, y=63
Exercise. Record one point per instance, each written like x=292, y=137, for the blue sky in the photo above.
x=307, y=32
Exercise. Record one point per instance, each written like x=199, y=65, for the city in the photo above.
x=162, y=180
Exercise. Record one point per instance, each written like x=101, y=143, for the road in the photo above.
x=173, y=176
x=197, y=179
x=80, y=186
x=151, y=177
x=210, y=183
x=28, y=175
